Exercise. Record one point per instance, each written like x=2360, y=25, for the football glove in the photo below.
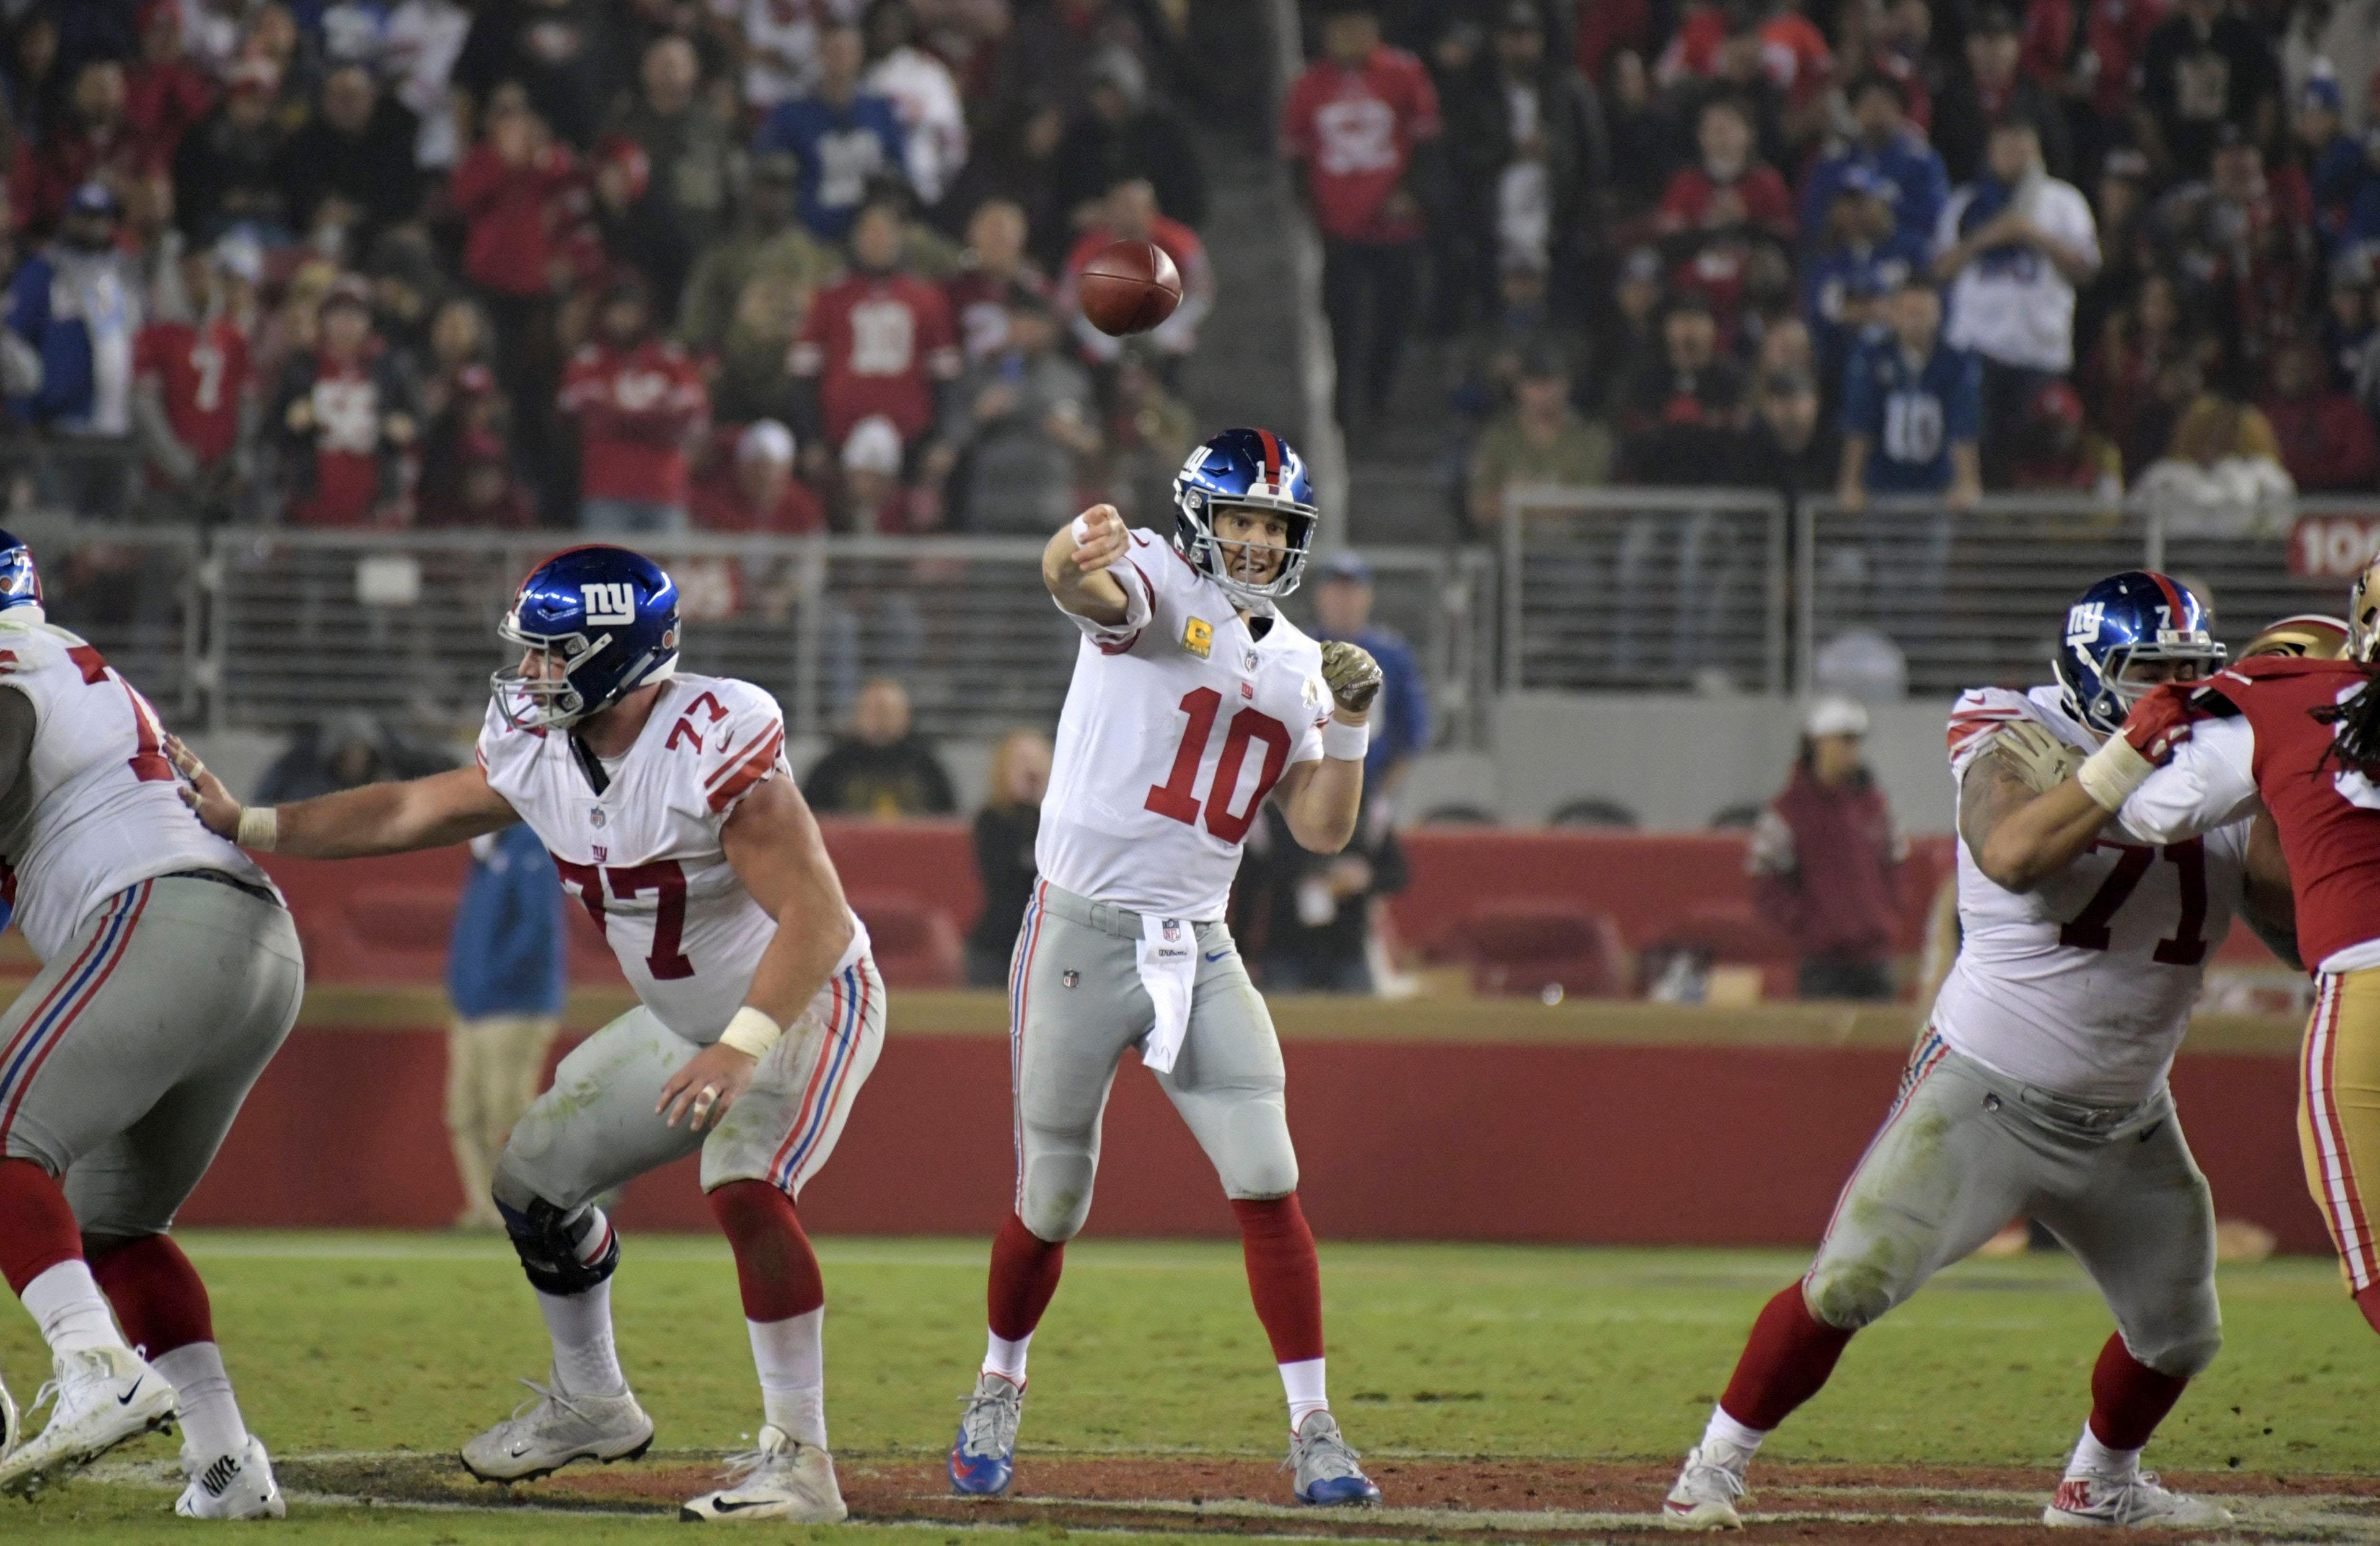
x=2040, y=761
x=1353, y=676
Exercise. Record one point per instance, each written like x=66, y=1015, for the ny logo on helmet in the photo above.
x=2081, y=621
x=609, y=601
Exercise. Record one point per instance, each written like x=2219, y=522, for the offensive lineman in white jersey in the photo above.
x=666, y=800
x=1193, y=702
x=2038, y=1089
x=170, y=975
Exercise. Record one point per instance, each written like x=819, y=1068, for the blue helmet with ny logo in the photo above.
x=1246, y=469
x=2128, y=618
x=595, y=623
x=20, y=583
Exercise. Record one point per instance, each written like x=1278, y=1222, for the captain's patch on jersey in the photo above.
x=1198, y=637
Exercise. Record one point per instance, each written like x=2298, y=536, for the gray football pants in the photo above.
x=127, y=1058
x=1075, y=1002
x=1964, y=1151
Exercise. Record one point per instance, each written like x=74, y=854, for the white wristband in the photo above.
x=1344, y=742
x=751, y=1032
x=2110, y=774
x=259, y=828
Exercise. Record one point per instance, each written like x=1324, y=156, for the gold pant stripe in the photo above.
x=2339, y=1115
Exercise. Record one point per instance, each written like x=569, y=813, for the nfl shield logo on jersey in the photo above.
x=1174, y=930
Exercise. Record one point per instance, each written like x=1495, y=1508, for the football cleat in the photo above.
x=1708, y=1490
x=233, y=1485
x=984, y=1457
x=2087, y=1501
x=99, y=1398
x=543, y=1435
x=784, y=1478
x=1328, y=1475
x=8, y=1430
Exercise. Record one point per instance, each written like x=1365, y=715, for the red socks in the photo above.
x=1786, y=1361
x=1284, y=1278
x=2368, y=1302
x=37, y=1229
x=775, y=1268
x=1024, y=1269
x=2128, y=1397
x=159, y=1300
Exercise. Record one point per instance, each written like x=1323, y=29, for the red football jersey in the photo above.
x=348, y=429
x=1355, y=131
x=202, y=373
x=876, y=343
x=636, y=410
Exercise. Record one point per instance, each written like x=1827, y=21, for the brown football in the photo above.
x=1129, y=287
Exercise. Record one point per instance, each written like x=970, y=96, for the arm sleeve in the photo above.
x=2211, y=781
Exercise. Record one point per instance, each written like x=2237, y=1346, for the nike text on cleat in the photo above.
x=545, y=1435
x=235, y=1485
x=2103, y=1502
x=99, y=1399
x=784, y=1478
x=984, y=1457
x=1328, y=1475
x=1708, y=1490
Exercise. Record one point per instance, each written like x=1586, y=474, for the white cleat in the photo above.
x=1708, y=1490
x=103, y=1398
x=784, y=1478
x=543, y=1435
x=233, y=1485
x=2088, y=1501
x=9, y=1432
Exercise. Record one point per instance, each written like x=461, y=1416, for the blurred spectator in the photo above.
x=509, y=190
x=994, y=265
x=2218, y=427
x=758, y=491
x=1630, y=328
x=77, y=303
x=694, y=154
x=2326, y=439
x=2343, y=35
x=232, y=169
x=2352, y=323
x=880, y=766
x=1541, y=438
x=925, y=93
x=165, y=92
x=1005, y=832
x=1990, y=91
x=2330, y=159
x=749, y=293
x=631, y=226
x=2056, y=451
x=32, y=80
x=1860, y=258
x=1020, y=422
x=1728, y=190
x=1488, y=357
x=2247, y=240
x=2202, y=68
x=344, y=418
x=424, y=39
x=877, y=344
x=1356, y=120
x=458, y=339
x=90, y=138
x=2014, y=244
x=779, y=45
x=568, y=55
x=842, y=133
x=1790, y=447
x=639, y=403
x=1684, y=407
x=346, y=752
x=195, y=389
x=1912, y=409
x=1825, y=861
x=874, y=501
x=467, y=478
x=1121, y=134
x=1400, y=721
x=1882, y=144
x=1318, y=922
x=352, y=166
x=1149, y=432
x=1130, y=213
x=505, y=986
x=407, y=286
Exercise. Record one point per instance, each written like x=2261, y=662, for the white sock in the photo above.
x=1727, y=1431
x=1302, y=1381
x=211, y=1421
x=65, y=1303
x=2097, y=1459
x=585, y=1362
x=1006, y=1359
x=791, y=1356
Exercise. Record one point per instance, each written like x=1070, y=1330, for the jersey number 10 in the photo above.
x=1178, y=797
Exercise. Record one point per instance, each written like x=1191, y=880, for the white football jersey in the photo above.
x=644, y=857
x=106, y=809
x=2084, y=985
x=1177, y=725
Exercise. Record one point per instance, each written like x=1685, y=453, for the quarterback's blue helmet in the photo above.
x=2137, y=615
x=606, y=621
x=20, y=583
x=1247, y=468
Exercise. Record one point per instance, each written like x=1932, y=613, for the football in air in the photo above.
x=1128, y=287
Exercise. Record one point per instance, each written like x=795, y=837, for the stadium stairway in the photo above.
x=1245, y=370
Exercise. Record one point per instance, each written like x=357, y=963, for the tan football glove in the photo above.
x=2039, y=759
x=1351, y=675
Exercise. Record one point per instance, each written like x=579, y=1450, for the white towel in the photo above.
x=1167, y=956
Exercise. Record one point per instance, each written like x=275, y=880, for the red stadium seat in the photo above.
x=916, y=946
x=1527, y=948
x=1734, y=935
x=393, y=932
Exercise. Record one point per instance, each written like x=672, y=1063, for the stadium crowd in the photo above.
x=618, y=265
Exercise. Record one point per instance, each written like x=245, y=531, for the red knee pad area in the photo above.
x=159, y=1299
x=1284, y=1276
x=775, y=1269
x=37, y=1229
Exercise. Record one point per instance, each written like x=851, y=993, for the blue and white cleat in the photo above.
x=1328, y=1475
x=984, y=1459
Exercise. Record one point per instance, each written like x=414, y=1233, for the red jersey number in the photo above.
x=2093, y=929
x=666, y=961
x=148, y=759
x=1177, y=796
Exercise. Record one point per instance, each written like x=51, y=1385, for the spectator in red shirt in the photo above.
x=1825, y=861
x=2328, y=441
x=1130, y=213
x=345, y=419
x=92, y=141
x=193, y=385
x=1357, y=119
x=756, y=490
x=1731, y=190
x=488, y=494
x=995, y=266
x=639, y=402
x=513, y=191
x=165, y=92
x=877, y=343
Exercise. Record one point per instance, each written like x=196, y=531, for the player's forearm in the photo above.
x=1322, y=813
x=812, y=937
x=1096, y=596
x=379, y=818
x=2040, y=837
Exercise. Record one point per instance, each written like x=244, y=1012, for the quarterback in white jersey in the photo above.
x=1193, y=702
x=666, y=802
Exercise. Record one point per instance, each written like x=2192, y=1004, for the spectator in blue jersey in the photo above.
x=76, y=305
x=1342, y=606
x=1862, y=258
x=1887, y=146
x=1912, y=409
x=505, y=979
x=842, y=135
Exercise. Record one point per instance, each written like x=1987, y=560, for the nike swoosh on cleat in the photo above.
x=126, y=1399
x=519, y=1450
x=723, y=1506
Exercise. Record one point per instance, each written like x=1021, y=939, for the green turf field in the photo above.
x=350, y=1341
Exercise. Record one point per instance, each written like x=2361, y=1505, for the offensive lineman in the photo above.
x=2038, y=1089
x=1193, y=701
x=666, y=801
x=171, y=975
